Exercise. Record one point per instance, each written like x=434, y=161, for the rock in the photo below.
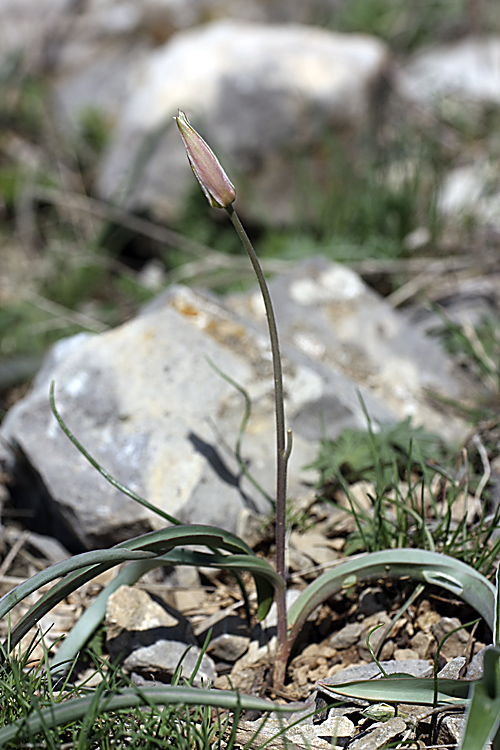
x=452, y=670
x=404, y=654
x=134, y=619
x=150, y=638
x=144, y=400
x=379, y=735
x=188, y=593
x=455, y=644
x=449, y=731
x=348, y=636
x=375, y=633
x=423, y=644
x=315, y=545
x=257, y=93
x=475, y=668
x=472, y=191
x=327, y=313
x=229, y=647
x=230, y=638
x=146, y=403
x=304, y=735
x=467, y=71
x=160, y=660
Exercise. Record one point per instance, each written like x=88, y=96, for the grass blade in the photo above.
x=76, y=708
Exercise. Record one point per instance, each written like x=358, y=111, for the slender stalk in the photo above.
x=282, y=449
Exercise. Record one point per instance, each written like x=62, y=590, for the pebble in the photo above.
x=379, y=735
x=160, y=660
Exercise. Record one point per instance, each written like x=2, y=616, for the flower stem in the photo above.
x=282, y=449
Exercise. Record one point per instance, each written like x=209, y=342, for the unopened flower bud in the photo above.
x=218, y=188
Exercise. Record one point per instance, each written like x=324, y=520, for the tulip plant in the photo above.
x=179, y=544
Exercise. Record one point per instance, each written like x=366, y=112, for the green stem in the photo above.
x=282, y=452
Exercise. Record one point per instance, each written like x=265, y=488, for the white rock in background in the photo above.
x=472, y=190
x=257, y=93
x=467, y=70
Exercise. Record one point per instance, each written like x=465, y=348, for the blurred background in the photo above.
x=366, y=131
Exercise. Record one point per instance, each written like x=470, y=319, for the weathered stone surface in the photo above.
x=327, y=313
x=145, y=402
x=257, y=93
x=455, y=644
x=229, y=647
x=452, y=670
x=150, y=638
x=467, y=71
x=379, y=735
x=449, y=731
x=347, y=636
x=134, y=619
x=475, y=669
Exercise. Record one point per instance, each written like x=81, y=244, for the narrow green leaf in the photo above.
x=419, y=565
x=402, y=689
x=482, y=719
x=76, y=708
x=156, y=543
x=265, y=577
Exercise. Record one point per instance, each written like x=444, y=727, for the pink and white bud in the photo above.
x=218, y=188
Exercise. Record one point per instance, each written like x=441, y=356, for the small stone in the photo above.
x=387, y=651
x=451, y=671
x=475, y=670
x=379, y=712
x=404, y=654
x=134, y=619
x=160, y=661
x=455, y=644
x=336, y=727
x=449, y=730
x=188, y=593
x=423, y=644
x=348, y=636
x=379, y=735
x=426, y=617
x=376, y=634
x=229, y=647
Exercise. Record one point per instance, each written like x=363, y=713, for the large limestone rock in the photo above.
x=144, y=400
x=263, y=96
